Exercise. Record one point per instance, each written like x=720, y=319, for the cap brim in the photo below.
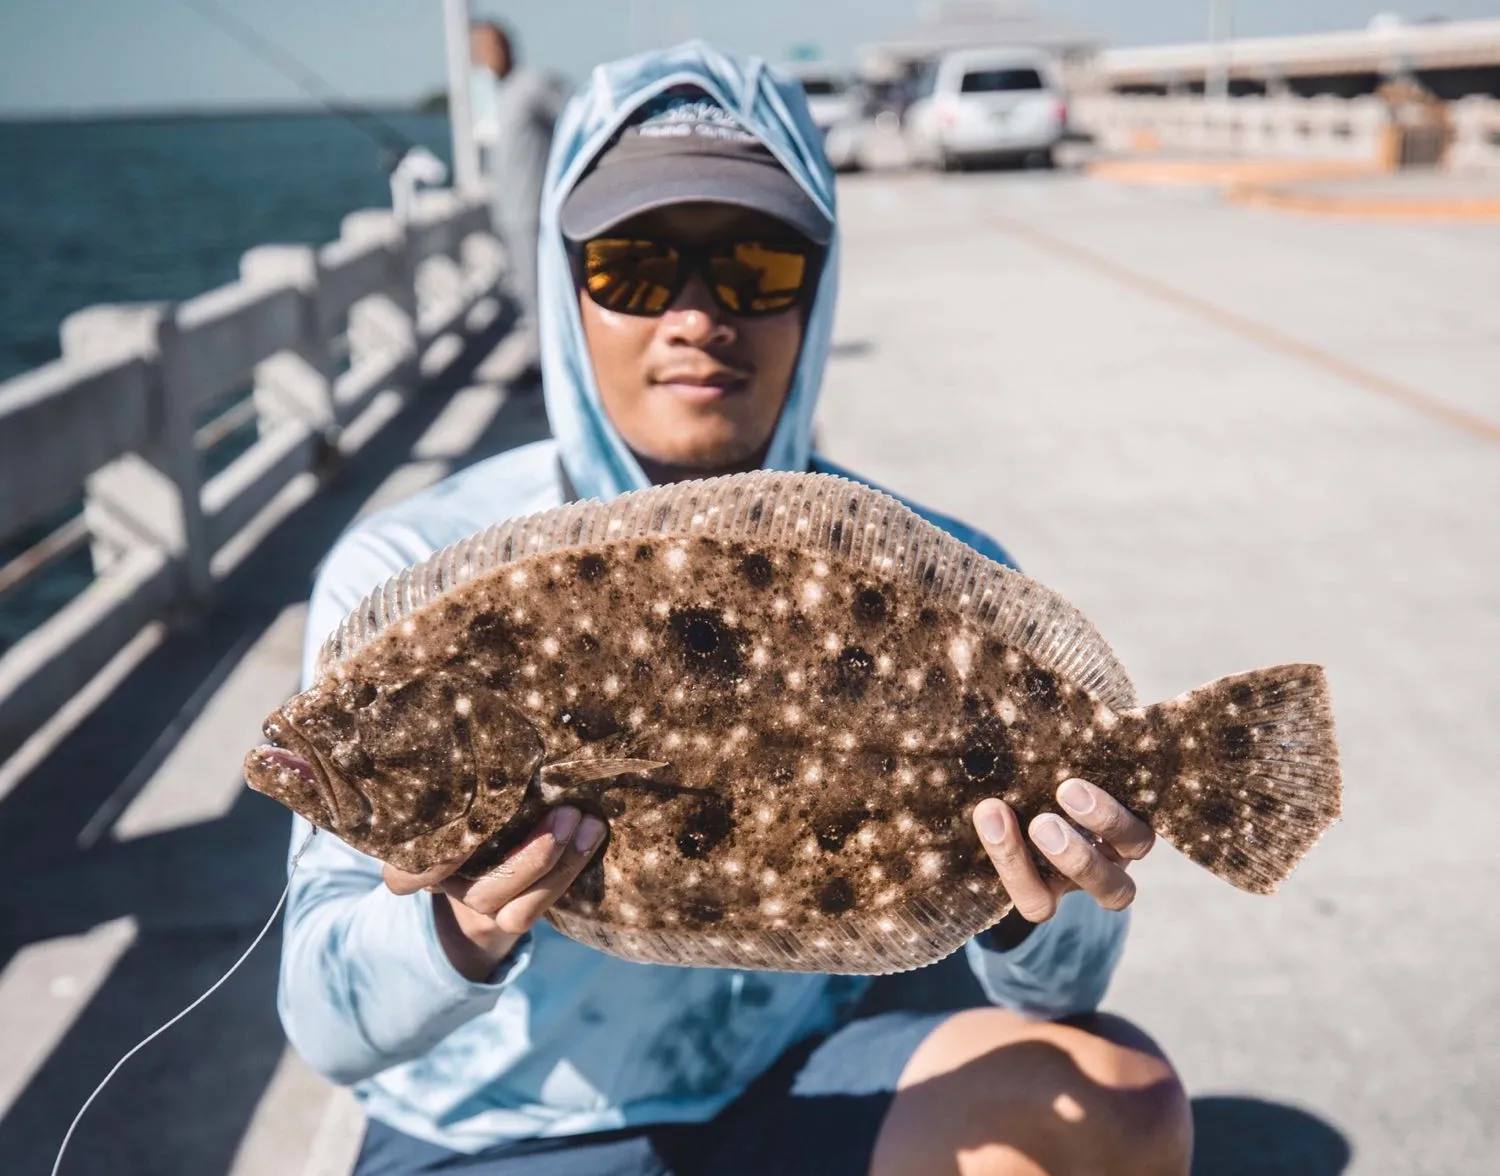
x=612, y=194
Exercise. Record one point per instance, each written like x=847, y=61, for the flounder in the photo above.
x=785, y=694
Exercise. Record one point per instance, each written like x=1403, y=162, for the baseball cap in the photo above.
x=683, y=146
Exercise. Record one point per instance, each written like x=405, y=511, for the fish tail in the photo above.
x=1250, y=777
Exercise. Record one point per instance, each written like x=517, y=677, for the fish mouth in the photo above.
x=289, y=770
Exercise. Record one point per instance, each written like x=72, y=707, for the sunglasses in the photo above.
x=644, y=276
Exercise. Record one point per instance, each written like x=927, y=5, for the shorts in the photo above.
x=816, y=1112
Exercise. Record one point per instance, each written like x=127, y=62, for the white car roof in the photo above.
x=982, y=58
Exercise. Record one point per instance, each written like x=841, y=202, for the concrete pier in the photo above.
x=1231, y=435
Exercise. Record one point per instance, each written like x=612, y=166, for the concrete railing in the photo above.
x=1476, y=134
x=122, y=422
x=1351, y=129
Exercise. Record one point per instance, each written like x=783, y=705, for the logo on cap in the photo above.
x=676, y=115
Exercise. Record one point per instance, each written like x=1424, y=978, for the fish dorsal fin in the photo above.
x=813, y=513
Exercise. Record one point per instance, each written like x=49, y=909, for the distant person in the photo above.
x=515, y=110
x=689, y=276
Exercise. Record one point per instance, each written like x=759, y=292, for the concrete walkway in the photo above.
x=1232, y=437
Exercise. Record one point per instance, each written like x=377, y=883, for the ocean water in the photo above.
x=150, y=209
x=144, y=209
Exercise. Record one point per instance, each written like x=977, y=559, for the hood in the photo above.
x=769, y=104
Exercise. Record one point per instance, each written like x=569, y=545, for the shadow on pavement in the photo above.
x=1250, y=1137
x=197, y=894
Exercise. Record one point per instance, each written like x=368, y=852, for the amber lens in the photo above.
x=630, y=276
x=752, y=278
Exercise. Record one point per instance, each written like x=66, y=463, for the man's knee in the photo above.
x=1003, y=1096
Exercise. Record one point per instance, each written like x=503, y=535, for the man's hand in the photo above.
x=1097, y=866
x=480, y=922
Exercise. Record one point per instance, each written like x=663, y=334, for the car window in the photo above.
x=992, y=81
x=925, y=84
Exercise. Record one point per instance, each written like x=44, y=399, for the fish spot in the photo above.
x=590, y=723
x=870, y=606
x=490, y=632
x=707, y=642
x=643, y=552
x=1040, y=686
x=757, y=570
x=1237, y=741
x=836, y=534
x=835, y=896
x=979, y=761
x=1241, y=695
x=591, y=567
x=836, y=828
x=706, y=824
x=927, y=617
x=852, y=670
x=1217, y=812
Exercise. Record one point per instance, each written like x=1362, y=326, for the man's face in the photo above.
x=488, y=48
x=696, y=389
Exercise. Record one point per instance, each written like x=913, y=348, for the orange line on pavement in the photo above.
x=1470, y=423
x=1406, y=208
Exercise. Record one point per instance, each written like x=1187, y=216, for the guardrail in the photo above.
x=1352, y=129
x=118, y=423
x=1476, y=134
x=1317, y=128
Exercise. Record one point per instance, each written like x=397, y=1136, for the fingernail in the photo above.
x=562, y=823
x=590, y=834
x=1075, y=797
x=991, y=825
x=1048, y=832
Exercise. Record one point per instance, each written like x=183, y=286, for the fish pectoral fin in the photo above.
x=568, y=774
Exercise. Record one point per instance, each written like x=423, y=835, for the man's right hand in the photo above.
x=480, y=922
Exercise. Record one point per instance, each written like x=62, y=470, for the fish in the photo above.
x=784, y=694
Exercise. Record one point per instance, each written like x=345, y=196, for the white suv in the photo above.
x=987, y=104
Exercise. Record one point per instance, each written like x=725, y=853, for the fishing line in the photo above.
x=367, y=122
x=219, y=983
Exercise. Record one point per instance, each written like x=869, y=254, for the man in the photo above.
x=515, y=111
x=689, y=258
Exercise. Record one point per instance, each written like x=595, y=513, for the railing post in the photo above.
x=151, y=497
x=385, y=321
x=296, y=385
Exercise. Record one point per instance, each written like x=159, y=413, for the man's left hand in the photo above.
x=1096, y=865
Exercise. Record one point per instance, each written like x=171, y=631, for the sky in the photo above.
x=110, y=55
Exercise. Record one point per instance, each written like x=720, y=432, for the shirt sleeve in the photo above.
x=1062, y=968
x=365, y=983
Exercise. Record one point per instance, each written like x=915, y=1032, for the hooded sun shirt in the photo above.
x=561, y=1039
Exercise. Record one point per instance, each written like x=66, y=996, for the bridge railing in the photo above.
x=1476, y=134
x=1350, y=129
x=293, y=353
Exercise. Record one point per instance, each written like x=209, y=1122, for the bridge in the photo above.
x=1232, y=434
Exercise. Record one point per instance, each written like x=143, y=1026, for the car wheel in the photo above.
x=1043, y=159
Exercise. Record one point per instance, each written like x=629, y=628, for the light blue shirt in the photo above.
x=562, y=1039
